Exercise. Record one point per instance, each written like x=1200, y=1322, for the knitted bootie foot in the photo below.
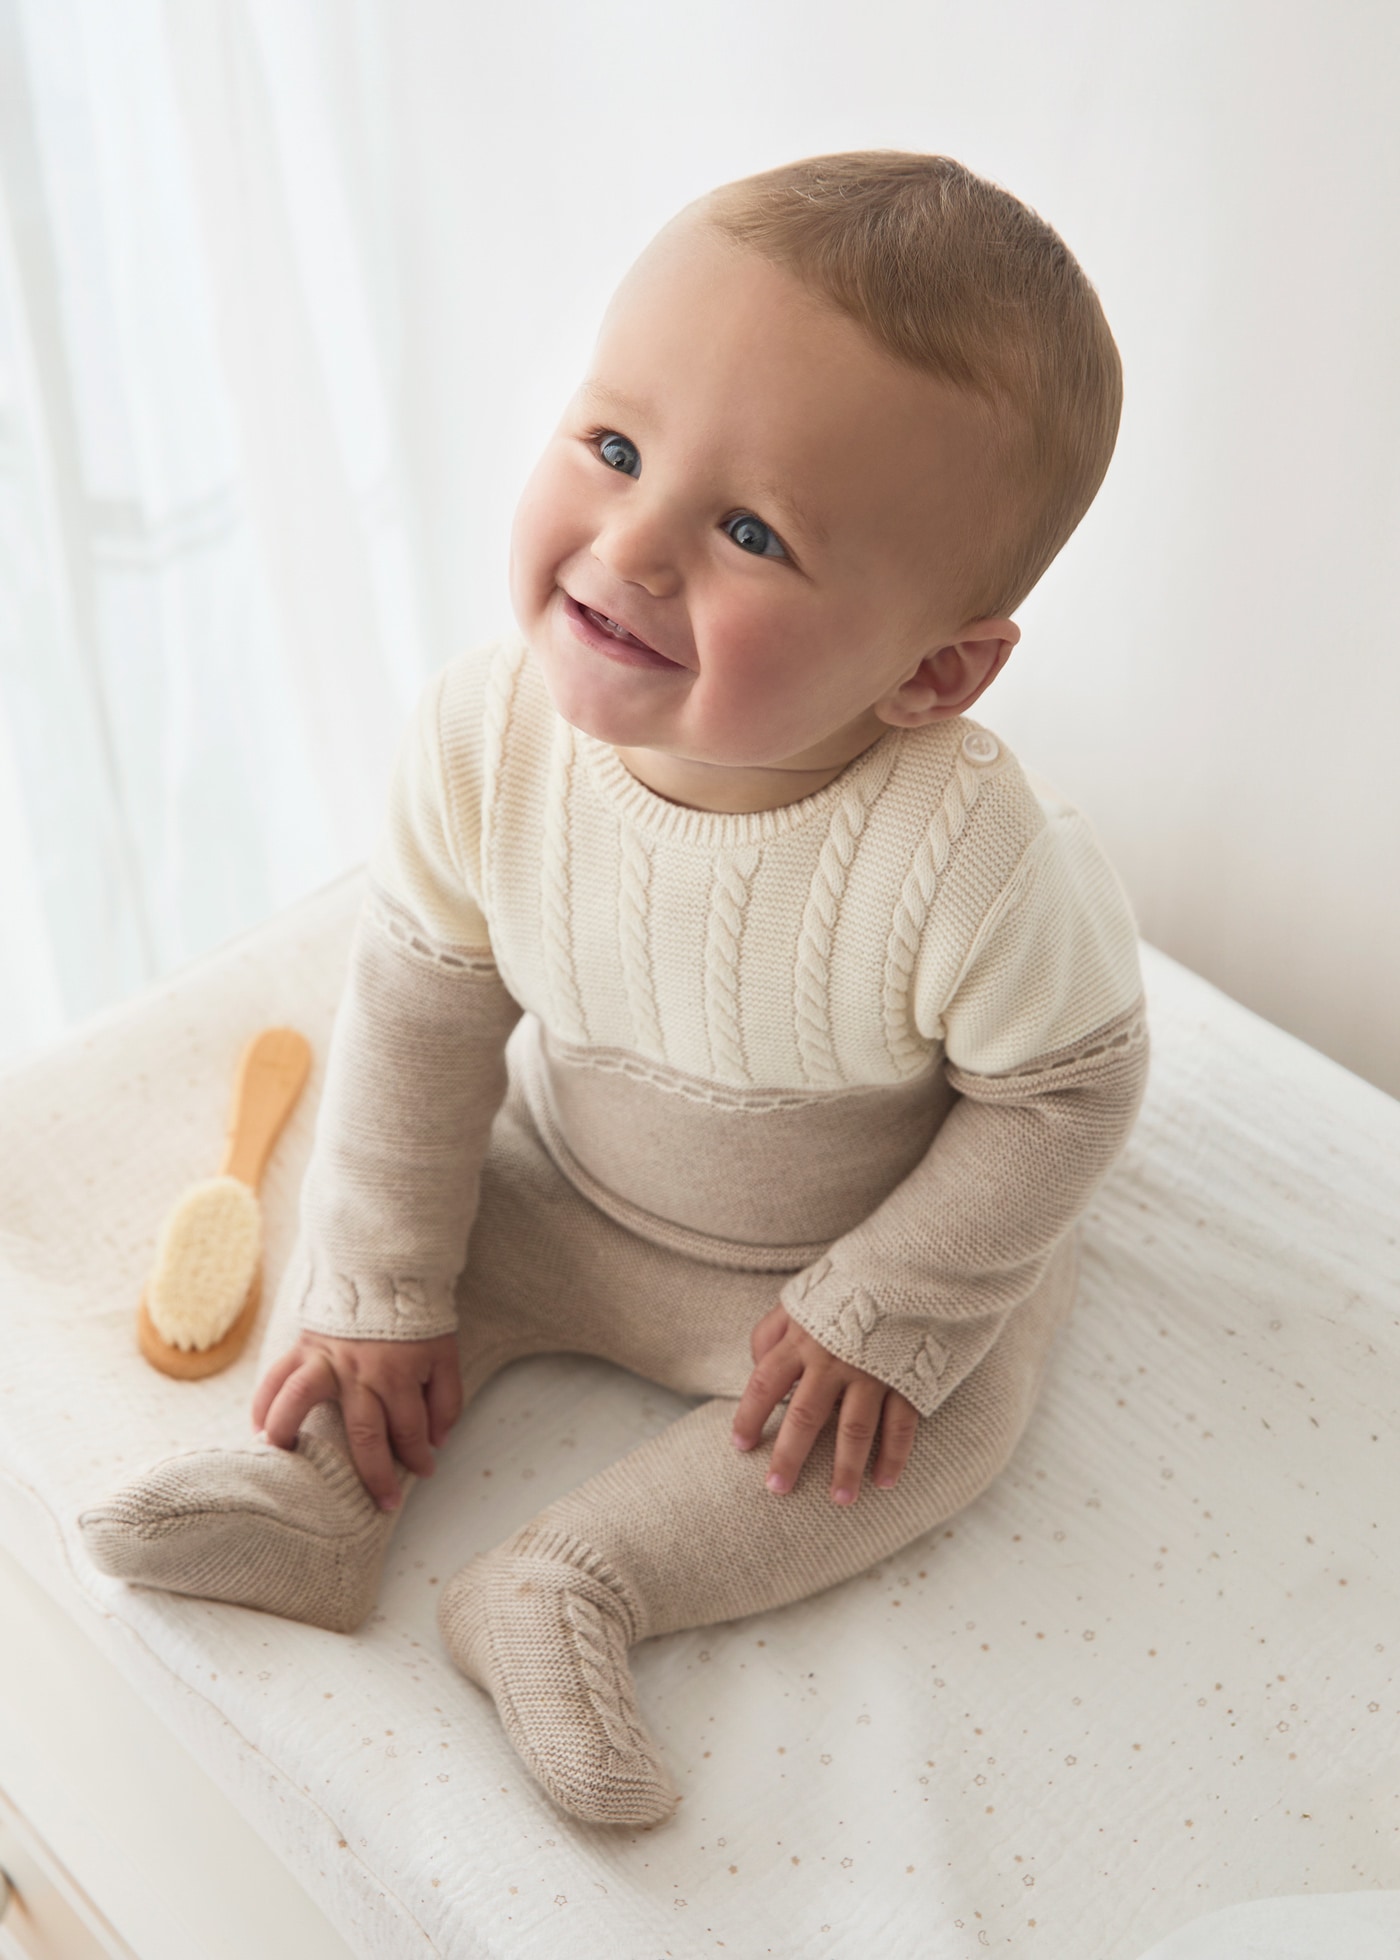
x=547, y=1639
x=291, y=1532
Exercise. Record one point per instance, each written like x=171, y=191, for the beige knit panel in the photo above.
x=915, y=1291
x=414, y=1074
x=773, y=1168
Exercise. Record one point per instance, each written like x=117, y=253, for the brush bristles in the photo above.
x=205, y=1263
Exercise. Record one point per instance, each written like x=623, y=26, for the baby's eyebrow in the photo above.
x=614, y=398
x=802, y=519
x=774, y=493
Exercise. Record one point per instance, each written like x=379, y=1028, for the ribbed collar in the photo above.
x=721, y=829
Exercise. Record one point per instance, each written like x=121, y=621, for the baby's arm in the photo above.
x=414, y=1076
x=1046, y=1044
x=918, y=1291
x=901, y=1308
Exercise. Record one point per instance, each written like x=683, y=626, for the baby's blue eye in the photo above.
x=615, y=443
x=752, y=534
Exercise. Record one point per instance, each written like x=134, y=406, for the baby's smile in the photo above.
x=613, y=638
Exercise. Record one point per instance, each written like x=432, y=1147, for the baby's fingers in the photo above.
x=768, y=1331
x=899, y=1424
x=369, y=1443
x=305, y=1379
x=408, y=1426
x=444, y=1397
x=271, y=1382
x=765, y=1389
x=855, y=1432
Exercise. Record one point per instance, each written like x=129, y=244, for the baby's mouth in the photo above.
x=611, y=626
x=588, y=620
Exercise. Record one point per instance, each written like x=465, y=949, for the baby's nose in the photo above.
x=637, y=551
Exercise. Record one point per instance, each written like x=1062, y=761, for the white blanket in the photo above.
x=1150, y=1674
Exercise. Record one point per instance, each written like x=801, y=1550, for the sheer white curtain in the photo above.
x=210, y=617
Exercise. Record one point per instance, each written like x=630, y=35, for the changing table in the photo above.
x=1149, y=1675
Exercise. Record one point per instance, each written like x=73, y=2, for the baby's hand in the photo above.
x=783, y=1351
x=407, y=1391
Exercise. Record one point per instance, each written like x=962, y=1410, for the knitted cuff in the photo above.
x=542, y=1539
x=852, y=1323
x=377, y=1306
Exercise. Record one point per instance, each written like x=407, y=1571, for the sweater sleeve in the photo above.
x=416, y=1066
x=1046, y=1045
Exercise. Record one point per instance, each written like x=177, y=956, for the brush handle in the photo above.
x=271, y=1075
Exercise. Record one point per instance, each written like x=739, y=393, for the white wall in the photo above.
x=1209, y=668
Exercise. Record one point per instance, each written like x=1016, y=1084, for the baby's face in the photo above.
x=747, y=485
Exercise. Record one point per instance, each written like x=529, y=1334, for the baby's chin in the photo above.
x=595, y=703
x=628, y=725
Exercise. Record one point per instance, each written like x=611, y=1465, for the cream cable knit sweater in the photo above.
x=883, y=1042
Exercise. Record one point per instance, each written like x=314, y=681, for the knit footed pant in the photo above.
x=685, y=1518
x=679, y=1532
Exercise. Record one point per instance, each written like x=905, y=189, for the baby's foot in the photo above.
x=292, y=1532
x=548, y=1640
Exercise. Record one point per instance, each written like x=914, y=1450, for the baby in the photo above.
x=724, y=1002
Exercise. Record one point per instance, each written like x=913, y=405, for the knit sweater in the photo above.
x=883, y=1042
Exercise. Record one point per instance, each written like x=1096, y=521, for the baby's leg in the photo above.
x=291, y=1532
x=683, y=1532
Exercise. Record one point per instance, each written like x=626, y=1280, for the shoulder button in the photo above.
x=979, y=746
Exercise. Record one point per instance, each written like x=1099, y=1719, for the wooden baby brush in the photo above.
x=203, y=1293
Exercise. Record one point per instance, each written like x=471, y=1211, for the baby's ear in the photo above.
x=947, y=682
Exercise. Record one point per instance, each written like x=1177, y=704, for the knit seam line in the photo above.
x=622, y=1061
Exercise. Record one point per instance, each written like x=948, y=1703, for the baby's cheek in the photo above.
x=530, y=555
x=547, y=527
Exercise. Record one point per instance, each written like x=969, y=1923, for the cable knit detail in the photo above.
x=844, y=1317
x=856, y=1316
x=602, y=1650
x=852, y=1315
x=802, y=1283
x=634, y=923
x=541, y=1539
x=381, y=1306
x=556, y=897
x=906, y=1050
x=729, y=894
x=813, y=978
x=496, y=715
x=922, y=1375
x=823, y=946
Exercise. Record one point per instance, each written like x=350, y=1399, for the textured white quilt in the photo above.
x=1151, y=1674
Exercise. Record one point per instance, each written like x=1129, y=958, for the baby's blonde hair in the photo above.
x=957, y=278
